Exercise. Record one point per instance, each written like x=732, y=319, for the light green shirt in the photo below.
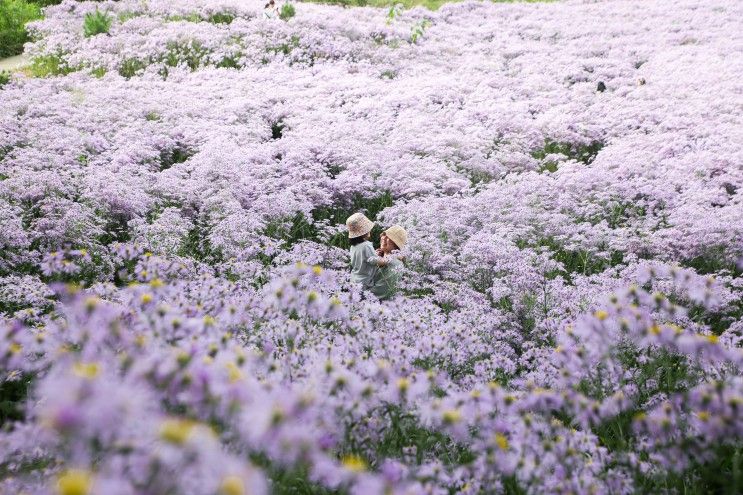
x=386, y=279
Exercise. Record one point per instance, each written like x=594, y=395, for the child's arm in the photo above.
x=377, y=260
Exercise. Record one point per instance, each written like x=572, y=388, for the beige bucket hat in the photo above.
x=358, y=225
x=398, y=235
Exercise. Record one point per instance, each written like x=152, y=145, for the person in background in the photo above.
x=271, y=10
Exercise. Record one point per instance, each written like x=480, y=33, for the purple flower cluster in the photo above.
x=175, y=311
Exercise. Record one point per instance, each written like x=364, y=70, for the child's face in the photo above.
x=386, y=244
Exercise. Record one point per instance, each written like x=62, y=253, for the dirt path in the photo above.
x=13, y=63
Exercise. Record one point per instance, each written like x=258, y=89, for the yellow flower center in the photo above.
x=176, y=431
x=232, y=485
x=501, y=441
x=354, y=463
x=74, y=482
x=403, y=384
x=86, y=370
x=452, y=416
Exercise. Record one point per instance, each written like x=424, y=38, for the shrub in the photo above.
x=221, y=18
x=96, y=23
x=4, y=78
x=287, y=11
x=14, y=14
x=49, y=65
x=584, y=153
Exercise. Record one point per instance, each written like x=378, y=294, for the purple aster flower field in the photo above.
x=176, y=313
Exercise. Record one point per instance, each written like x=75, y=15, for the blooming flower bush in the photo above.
x=176, y=312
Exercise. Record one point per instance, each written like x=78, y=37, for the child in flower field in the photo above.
x=390, y=266
x=363, y=256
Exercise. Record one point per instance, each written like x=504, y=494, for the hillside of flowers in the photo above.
x=176, y=314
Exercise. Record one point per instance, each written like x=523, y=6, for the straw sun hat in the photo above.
x=358, y=225
x=398, y=235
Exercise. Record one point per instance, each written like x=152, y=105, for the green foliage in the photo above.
x=286, y=47
x=277, y=129
x=290, y=481
x=116, y=230
x=287, y=12
x=404, y=432
x=96, y=23
x=722, y=474
x=4, y=78
x=131, y=66
x=14, y=14
x=455, y=371
x=582, y=153
x=221, y=18
x=193, y=17
x=45, y=3
x=395, y=10
x=98, y=72
x=388, y=74
x=170, y=157
x=12, y=397
x=198, y=246
x=50, y=65
x=418, y=29
x=230, y=62
x=300, y=227
x=190, y=52
x=713, y=260
x=575, y=262
x=125, y=16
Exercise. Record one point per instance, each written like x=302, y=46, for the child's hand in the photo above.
x=382, y=262
x=380, y=252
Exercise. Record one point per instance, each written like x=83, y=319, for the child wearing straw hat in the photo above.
x=363, y=256
x=387, y=276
